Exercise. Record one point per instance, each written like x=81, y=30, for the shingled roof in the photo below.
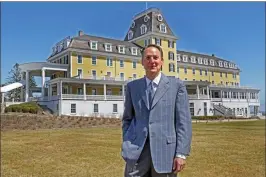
x=154, y=18
x=83, y=42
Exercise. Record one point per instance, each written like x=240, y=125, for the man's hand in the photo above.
x=179, y=164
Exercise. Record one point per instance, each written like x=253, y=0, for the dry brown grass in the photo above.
x=233, y=149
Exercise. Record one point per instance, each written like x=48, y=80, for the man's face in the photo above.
x=152, y=60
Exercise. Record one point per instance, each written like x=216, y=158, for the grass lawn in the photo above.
x=233, y=149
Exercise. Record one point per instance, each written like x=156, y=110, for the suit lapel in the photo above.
x=143, y=88
x=162, y=88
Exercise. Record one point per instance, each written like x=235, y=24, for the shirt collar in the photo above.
x=156, y=80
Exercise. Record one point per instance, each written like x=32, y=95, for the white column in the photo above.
x=27, y=87
x=198, y=91
x=21, y=89
x=60, y=89
x=84, y=90
x=211, y=94
x=123, y=91
x=3, y=98
x=43, y=82
x=208, y=92
x=104, y=91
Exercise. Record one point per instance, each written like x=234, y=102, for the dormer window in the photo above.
x=178, y=57
x=94, y=45
x=220, y=63
x=225, y=64
x=185, y=58
x=212, y=62
x=199, y=60
x=193, y=59
x=130, y=35
x=171, y=56
x=146, y=18
x=134, y=51
x=163, y=28
x=108, y=47
x=121, y=49
x=160, y=17
x=143, y=29
x=205, y=61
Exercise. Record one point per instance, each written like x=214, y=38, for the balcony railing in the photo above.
x=107, y=78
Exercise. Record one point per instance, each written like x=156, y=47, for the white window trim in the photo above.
x=136, y=49
x=205, y=61
x=81, y=76
x=107, y=61
x=220, y=63
x=185, y=58
x=95, y=72
x=178, y=57
x=96, y=45
x=212, y=62
x=120, y=75
x=135, y=74
x=106, y=44
x=130, y=35
x=78, y=59
x=143, y=27
x=120, y=63
x=193, y=59
x=199, y=60
x=161, y=27
x=92, y=60
x=119, y=47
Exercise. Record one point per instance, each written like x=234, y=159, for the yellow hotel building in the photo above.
x=88, y=74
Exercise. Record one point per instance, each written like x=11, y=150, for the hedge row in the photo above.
x=206, y=117
x=30, y=107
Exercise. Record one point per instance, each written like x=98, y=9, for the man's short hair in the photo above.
x=152, y=45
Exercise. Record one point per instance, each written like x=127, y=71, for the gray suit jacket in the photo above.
x=167, y=123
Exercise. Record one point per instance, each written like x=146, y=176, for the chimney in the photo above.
x=81, y=33
x=213, y=55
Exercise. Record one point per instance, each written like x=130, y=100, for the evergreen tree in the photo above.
x=15, y=76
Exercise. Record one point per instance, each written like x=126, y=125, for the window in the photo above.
x=108, y=73
x=94, y=74
x=134, y=76
x=108, y=47
x=109, y=61
x=79, y=59
x=94, y=45
x=226, y=75
x=171, y=67
x=185, y=70
x=193, y=71
x=95, y=108
x=171, y=44
x=80, y=91
x=130, y=35
x=143, y=29
x=114, y=108
x=225, y=64
x=193, y=59
x=171, y=56
x=191, y=108
x=73, y=108
x=212, y=73
x=212, y=82
x=109, y=92
x=93, y=91
x=79, y=73
x=200, y=71
x=134, y=51
x=121, y=63
x=220, y=63
x=134, y=63
x=206, y=72
x=199, y=60
x=178, y=57
x=147, y=42
x=205, y=61
x=185, y=57
x=158, y=41
x=66, y=59
x=163, y=28
x=93, y=60
x=177, y=69
x=221, y=74
x=122, y=76
x=212, y=62
x=121, y=49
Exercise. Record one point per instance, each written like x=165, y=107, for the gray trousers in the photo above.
x=144, y=167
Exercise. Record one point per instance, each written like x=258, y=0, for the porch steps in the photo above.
x=46, y=110
x=222, y=110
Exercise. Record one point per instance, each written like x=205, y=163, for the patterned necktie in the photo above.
x=150, y=93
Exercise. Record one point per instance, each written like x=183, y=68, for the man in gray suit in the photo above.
x=156, y=123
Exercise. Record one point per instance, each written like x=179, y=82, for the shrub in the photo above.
x=30, y=107
x=206, y=117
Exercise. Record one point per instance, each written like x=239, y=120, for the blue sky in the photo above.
x=232, y=30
